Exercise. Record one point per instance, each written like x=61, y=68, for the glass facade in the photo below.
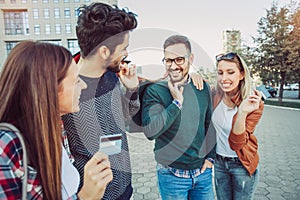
x=73, y=46
x=16, y=23
x=35, y=13
x=37, y=29
x=10, y=46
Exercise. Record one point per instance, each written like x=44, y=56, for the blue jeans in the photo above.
x=232, y=180
x=172, y=187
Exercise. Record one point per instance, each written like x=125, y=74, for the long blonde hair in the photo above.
x=29, y=85
x=245, y=85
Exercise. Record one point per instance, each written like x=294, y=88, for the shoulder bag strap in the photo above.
x=10, y=127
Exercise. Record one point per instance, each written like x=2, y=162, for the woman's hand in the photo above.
x=197, y=80
x=97, y=174
x=251, y=103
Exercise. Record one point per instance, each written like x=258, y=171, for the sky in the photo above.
x=201, y=20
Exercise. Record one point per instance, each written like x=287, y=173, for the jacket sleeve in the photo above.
x=210, y=132
x=156, y=119
x=238, y=141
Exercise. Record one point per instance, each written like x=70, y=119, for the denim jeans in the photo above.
x=172, y=187
x=232, y=180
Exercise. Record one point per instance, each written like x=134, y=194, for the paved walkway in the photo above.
x=279, y=147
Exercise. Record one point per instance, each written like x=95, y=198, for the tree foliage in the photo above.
x=276, y=54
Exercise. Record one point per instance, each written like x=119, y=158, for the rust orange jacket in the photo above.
x=245, y=144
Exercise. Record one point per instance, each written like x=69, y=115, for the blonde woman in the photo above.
x=237, y=110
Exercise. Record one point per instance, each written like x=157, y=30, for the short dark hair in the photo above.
x=98, y=22
x=178, y=39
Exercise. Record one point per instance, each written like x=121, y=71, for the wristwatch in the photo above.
x=211, y=160
x=177, y=103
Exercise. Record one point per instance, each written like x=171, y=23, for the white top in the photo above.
x=222, y=121
x=70, y=176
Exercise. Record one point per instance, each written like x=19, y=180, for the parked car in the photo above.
x=295, y=86
x=287, y=87
x=271, y=90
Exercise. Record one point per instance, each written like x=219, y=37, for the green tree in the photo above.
x=273, y=57
x=295, y=42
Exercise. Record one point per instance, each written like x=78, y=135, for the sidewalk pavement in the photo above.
x=143, y=166
x=285, y=100
x=279, y=148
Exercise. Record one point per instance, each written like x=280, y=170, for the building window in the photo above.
x=55, y=1
x=57, y=29
x=67, y=13
x=16, y=22
x=35, y=13
x=77, y=12
x=86, y=0
x=56, y=13
x=45, y=1
x=24, y=1
x=68, y=28
x=73, y=46
x=67, y=1
x=10, y=46
x=34, y=1
x=47, y=29
x=2, y=1
x=46, y=13
x=76, y=1
x=13, y=1
x=37, y=29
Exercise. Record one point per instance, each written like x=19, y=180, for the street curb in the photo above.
x=282, y=107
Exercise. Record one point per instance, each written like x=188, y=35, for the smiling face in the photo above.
x=229, y=76
x=178, y=51
x=70, y=90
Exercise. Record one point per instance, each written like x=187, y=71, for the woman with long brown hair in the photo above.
x=38, y=84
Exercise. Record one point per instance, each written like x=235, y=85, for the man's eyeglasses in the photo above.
x=178, y=60
x=229, y=56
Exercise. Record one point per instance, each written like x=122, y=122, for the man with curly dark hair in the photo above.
x=109, y=100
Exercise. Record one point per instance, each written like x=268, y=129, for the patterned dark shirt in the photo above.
x=104, y=110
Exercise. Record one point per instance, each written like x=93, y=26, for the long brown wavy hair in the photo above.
x=29, y=85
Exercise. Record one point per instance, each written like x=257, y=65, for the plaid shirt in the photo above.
x=181, y=173
x=66, y=143
x=12, y=172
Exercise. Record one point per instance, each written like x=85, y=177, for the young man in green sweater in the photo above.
x=177, y=115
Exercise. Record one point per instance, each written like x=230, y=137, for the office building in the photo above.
x=45, y=20
x=231, y=41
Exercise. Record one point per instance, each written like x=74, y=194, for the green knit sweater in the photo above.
x=183, y=138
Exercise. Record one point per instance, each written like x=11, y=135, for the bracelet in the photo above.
x=177, y=103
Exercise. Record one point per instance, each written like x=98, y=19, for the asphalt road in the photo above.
x=289, y=94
